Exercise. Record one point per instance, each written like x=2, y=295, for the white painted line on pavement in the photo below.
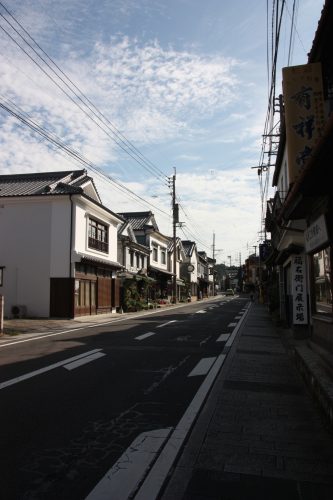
x=154, y=481
x=93, y=325
x=124, y=477
x=237, y=317
x=235, y=331
x=83, y=361
x=223, y=337
x=45, y=369
x=167, y=323
x=232, y=325
x=202, y=311
x=202, y=368
x=145, y=335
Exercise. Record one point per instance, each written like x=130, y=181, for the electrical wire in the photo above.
x=119, y=138
x=55, y=141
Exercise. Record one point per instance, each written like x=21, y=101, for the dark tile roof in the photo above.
x=140, y=220
x=44, y=183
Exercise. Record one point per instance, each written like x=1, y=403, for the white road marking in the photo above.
x=202, y=311
x=45, y=369
x=93, y=325
x=223, y=337
x=232, y=325
x=155, y=479
x=145, y=335
x=237, y=317
x=234, y=333
x=204, y=341
x=202, y=368
x=121, y=481
x=167, y=323
x=83, y=361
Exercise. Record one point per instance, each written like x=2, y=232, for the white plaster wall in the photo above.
x=25, y=229
x=60, y=237
x=160, y=244
x=82, y=210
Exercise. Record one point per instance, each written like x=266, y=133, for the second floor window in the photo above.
x=98, y=236
x=155, y=254
x=163, y=258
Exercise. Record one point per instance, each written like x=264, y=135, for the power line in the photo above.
x=55, y=141
x=119, y=138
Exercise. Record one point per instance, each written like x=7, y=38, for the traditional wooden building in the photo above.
x=58, y=246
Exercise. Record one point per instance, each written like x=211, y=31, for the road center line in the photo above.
x=167, y=323
x=153, y=483
x=83, y=361
x=121, y=481
x=16, y=380
x=223, y=337
x=203, y=367
x=145, y=335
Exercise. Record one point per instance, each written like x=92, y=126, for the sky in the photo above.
x=182, y=86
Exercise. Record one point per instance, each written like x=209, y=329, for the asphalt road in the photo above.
x=106, y=399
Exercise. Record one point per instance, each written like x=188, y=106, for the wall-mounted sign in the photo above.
x=315, y=235
x=304, y=113
x=190, y=268
x=299, y=290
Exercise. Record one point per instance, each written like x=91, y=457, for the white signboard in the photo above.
x=316, y=235
x=299, y=290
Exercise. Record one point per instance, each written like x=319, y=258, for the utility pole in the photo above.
x=213, y=264
x=175, y=212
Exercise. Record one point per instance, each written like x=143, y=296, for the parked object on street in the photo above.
x=229, y=291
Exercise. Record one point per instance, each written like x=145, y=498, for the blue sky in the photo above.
x=184, y=80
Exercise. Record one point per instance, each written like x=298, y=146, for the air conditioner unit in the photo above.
x=19, y=311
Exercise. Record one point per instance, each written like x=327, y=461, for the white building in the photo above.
x=58, y=246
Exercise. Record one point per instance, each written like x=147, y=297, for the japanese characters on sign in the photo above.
x=316, y=235
x=304, y=113
x=299, y=290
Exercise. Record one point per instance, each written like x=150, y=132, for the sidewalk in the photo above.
x=260, y=435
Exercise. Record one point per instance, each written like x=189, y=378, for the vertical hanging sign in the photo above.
x=299, y=290
x=304, y=113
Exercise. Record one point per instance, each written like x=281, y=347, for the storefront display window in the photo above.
x=323, y=281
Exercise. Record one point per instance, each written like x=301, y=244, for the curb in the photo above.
x=318, y=381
